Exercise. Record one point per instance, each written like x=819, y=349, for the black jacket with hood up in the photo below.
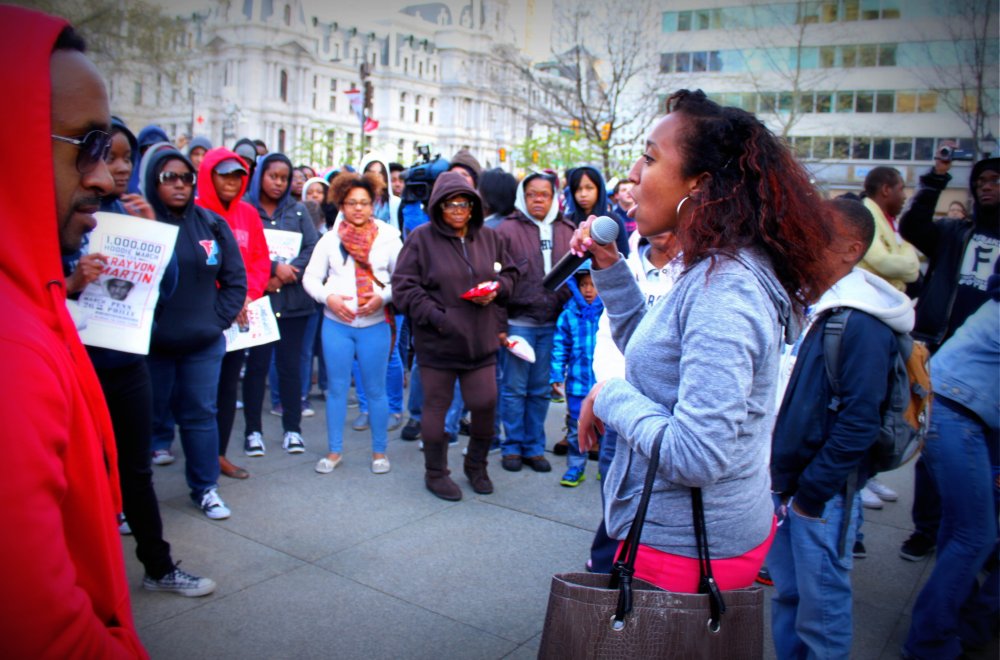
x=212, y=282
x=435, y=267
x=291, y=300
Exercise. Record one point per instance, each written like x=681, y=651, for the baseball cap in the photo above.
x=229, y=166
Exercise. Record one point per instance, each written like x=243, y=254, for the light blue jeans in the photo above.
x=341, y=344
x=393, y=379
x=525, y=394
x=811, y=609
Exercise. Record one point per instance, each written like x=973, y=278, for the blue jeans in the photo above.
x=574, y=457
x=192, y=380
x=811, y=609
x=958, y=453
x=308, y=350
x=603, y=549
x=341, y=344
x=525, y=394
x=393, y=379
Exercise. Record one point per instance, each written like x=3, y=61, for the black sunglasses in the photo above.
x=94, y=148
x=187, y=177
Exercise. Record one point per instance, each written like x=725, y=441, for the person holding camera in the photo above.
x=961, y=253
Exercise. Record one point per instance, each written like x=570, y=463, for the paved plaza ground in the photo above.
x=356, y=565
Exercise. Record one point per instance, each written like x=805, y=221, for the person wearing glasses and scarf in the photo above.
x=455, y=337
x=349, y=273
x=187, y=346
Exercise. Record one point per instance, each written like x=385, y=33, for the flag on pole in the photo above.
x=356, y=97
x=370, y=125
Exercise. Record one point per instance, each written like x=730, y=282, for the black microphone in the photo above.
x=603, y=230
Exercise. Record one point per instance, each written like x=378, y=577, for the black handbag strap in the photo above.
x=624, y=567
x=706, y=583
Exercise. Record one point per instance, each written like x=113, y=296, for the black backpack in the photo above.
x=907, y=413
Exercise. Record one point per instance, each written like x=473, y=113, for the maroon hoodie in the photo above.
x=434, y=269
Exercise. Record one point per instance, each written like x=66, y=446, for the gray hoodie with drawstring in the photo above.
x=701, y=366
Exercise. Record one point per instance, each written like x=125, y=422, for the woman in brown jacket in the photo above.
x=454, y=337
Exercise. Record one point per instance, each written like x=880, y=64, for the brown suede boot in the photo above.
x=475, y=465
x=436, y=476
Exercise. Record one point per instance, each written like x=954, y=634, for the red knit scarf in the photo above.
x=358, y=243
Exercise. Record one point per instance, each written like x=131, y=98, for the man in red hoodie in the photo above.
x=64, y=588
x=222, y=180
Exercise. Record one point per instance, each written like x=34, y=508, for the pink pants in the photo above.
x=680, y=574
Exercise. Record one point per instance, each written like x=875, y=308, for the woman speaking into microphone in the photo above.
x=702, y=362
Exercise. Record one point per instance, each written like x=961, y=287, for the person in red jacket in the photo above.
x=224, y=178
x=64, y=587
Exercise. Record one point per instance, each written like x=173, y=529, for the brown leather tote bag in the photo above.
x=590, y=616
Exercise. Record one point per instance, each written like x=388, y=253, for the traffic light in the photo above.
x=503, y=154
x=605, y=132
x=534, y=156
x=575, y=125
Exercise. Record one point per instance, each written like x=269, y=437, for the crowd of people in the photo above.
x=702, y=329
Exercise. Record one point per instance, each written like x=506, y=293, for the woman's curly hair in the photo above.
x=758, y=194
x=345, y=182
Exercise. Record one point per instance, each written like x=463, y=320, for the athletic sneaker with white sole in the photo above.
x=883, y=492
x=213, y=506
x=870, y=500
x=180, y=582
x=162, y=457
x=293, y=443
x=254, y=444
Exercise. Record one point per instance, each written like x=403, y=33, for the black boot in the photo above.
x=475, y=465
x=436, y=476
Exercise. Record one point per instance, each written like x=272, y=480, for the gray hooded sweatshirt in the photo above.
x=701, y=366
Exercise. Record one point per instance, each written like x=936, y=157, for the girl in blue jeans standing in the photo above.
x=349, y=273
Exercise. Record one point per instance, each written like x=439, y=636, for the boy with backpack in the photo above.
x=572, y=364
x=827, y=440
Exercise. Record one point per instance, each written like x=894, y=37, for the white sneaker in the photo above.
x=293, y=443
x=254, y=444
x=870, y=500
x=162, y=457
x=884, y=493
x=213, y=506
x=381, y=465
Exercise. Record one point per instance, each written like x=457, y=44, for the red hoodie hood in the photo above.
x=242, y=218
x=61, y=564
x=207, y=197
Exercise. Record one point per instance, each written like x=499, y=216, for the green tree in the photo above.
x=124, y=35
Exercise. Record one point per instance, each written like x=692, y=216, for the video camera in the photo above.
x=419, y=181
x=420, y=176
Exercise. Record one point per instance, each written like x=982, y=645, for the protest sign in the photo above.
x=283, y=246
x=119, y=305
x=261, y=327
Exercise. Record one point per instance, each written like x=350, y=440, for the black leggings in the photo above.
x=229, y=381
x=129, y=393
x=288, y=354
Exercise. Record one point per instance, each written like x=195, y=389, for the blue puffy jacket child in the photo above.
x=572, y=366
